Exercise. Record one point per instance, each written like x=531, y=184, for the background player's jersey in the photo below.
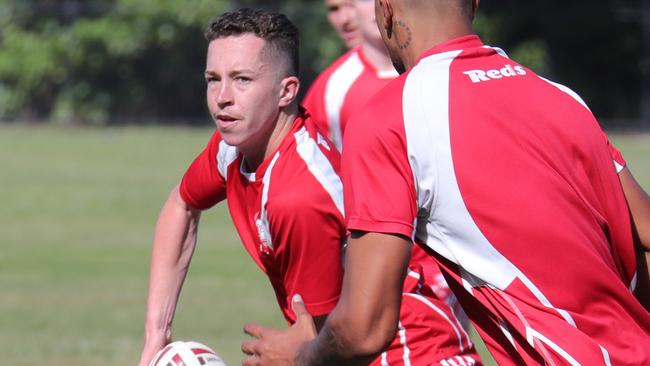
x=288, y=213
x=341, y=89
x=506, y=178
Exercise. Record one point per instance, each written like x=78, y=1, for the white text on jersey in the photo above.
x=478, y=76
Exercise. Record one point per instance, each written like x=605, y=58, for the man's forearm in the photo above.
x=364, y=322
x=328, y=349
x=173, y=246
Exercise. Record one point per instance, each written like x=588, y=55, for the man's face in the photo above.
x=244, y=83
x=365, y=11
x=341, y=15
x=391, y=45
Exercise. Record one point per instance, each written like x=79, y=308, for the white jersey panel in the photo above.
x=262, y=221
x=225, y=156
x=337, y=87
x=320, y=167
x=443, y=221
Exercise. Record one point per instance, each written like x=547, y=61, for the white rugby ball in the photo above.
x=186, y=353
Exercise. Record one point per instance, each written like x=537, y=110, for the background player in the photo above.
x=284, y=194
x=343, y=89
x=347, y=84
x=507, y=179
x=341, y=16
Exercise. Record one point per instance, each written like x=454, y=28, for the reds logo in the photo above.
x=477, y=76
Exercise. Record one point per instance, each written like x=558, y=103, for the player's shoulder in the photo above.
x=308, y=166
x=341, y=60
x=338, y=63
x=308, y=150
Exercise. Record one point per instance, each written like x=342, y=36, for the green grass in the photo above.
x=77, y=211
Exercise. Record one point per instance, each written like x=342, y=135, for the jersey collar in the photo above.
x=456, y=44
x=288, y=139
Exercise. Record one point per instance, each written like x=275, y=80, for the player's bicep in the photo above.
x=639, y=204
x=375, y=267
x=203, y=185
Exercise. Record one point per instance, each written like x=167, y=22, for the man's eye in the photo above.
x=242, y=80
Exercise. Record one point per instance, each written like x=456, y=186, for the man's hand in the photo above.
x=152, y=345
x=279, y=347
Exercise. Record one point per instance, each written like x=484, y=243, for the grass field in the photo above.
x=77, y=210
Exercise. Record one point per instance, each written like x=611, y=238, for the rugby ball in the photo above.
x=186, y=353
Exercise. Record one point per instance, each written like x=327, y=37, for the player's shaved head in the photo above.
x=464, y=7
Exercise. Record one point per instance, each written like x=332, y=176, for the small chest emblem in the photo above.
x=265, y=236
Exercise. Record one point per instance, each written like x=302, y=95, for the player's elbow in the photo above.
x=366, y=339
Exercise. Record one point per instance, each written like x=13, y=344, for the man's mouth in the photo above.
x=225, y=120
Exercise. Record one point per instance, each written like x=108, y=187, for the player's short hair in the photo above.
x=274, y=28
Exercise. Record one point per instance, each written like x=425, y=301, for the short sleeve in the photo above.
x=202, y=185
x=617, y=157
x=377, y=178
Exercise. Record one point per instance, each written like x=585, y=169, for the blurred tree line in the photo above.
x=141, y=61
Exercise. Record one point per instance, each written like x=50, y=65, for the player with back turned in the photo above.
x=508, y=181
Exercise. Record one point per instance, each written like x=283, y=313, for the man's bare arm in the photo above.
x=639, y=203
x=365, y=319
x=173, y=246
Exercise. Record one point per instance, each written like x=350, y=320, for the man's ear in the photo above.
x=289, y=90
x=387, y=15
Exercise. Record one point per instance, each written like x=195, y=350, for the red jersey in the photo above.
x=506, y=179
x=341, y=89
x=289, y=216
x=288, y=212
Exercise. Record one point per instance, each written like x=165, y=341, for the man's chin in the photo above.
x=230, y=139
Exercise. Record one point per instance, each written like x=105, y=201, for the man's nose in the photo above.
x=224, y=94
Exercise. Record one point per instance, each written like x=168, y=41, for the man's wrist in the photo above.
x=304, y=354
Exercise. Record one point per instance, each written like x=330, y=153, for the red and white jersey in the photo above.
x=507, y=180
x=288, y=213
x=289, y=216
x=342, y=89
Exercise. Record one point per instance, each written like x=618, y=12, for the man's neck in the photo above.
x=377, y=56
x=255, y=155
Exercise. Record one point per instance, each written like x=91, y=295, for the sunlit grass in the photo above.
x=77, y=211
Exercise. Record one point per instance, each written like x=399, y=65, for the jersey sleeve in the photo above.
x=202, y=185
x=377, y=178
x=617, y=157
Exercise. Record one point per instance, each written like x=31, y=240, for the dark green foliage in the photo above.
x=91, y=61
x=593, y=47
x=117, y=61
